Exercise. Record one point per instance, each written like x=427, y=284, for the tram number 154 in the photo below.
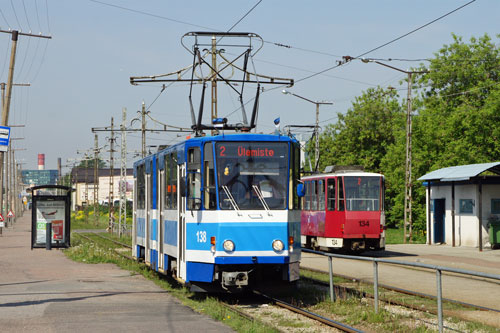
x=364, y=223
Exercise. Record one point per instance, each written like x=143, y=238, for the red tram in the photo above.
x=343, y=209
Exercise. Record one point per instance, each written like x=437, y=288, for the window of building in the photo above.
x=466, y=206
x=495, y=206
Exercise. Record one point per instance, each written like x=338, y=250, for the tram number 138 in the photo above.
x=201, y=236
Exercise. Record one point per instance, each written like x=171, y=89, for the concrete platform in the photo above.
x=43, y=291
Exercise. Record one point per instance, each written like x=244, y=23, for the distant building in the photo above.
x=40, y=177
x=83, y=183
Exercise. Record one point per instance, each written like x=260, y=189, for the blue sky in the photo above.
x=82, y=80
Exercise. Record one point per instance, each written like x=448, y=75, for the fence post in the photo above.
x=375, y=284
x=439, y=300
x=332, y=292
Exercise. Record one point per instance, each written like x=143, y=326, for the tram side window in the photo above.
x=150, y=185
x=331, y=194
x=314, y=195
x=307, y=196
x=321, y=194
x=170, y=182
x=209, y=197
x=141, y=194
x=341, y=195
x=194, y=179
x=173, y=178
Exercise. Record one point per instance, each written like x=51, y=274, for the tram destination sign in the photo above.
x=4, y=137
x=252, y=149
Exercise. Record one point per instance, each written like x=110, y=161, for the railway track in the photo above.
x=397, y=290
x=268, y=299
x=390, y=301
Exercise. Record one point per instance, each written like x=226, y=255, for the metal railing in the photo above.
x=376, y=261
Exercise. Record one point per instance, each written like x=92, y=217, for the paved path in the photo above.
x=43, y=291
x=474, y=290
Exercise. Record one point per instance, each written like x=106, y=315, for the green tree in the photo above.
x=363, y=134
x=89, y=163
x=457, y=123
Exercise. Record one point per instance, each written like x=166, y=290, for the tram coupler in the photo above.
x=234, y=279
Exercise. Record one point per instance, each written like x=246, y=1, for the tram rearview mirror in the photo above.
x=301, y=191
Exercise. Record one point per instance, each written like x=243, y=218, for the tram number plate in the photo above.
x=364, y=223
x=335, y=242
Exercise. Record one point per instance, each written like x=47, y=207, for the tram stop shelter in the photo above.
x=461, y=202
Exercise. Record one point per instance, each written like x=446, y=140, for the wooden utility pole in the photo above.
x=6, y=103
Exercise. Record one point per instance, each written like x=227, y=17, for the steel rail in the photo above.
x=407, y=263
x=111, y=240
x=392, y=288
x=116, y=252
x=326, y=321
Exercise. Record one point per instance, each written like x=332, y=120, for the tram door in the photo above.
x=439, y=213
x=147, y=207
x=161, y=218
x=181, y=232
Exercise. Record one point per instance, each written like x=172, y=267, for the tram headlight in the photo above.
x=278, y=245
x=228, y=245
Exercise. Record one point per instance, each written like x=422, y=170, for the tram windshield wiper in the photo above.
x=262, y=200
x=231, y=199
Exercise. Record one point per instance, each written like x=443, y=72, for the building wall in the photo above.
x=39, y=177
x=103, y=190
x=466, y=224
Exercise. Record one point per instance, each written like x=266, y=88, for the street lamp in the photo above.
x=316, y=128
x=408, y=185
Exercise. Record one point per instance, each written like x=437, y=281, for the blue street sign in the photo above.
x=4, y=137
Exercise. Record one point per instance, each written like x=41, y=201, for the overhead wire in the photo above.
x=149, y=14
x=247, y=13
x=7, y=22
x=47, y=14
x=26, y=14
x=38, y=16
x=15, y=15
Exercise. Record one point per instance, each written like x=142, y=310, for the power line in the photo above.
x=415, y=30
x=149, y=14
x=390, y=42
x=241, y=19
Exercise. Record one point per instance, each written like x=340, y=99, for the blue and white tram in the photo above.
x=220, y=212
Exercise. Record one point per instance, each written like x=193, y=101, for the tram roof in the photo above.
x=343, y=173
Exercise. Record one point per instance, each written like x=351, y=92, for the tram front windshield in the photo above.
x=252, y=175
x=362, y=193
